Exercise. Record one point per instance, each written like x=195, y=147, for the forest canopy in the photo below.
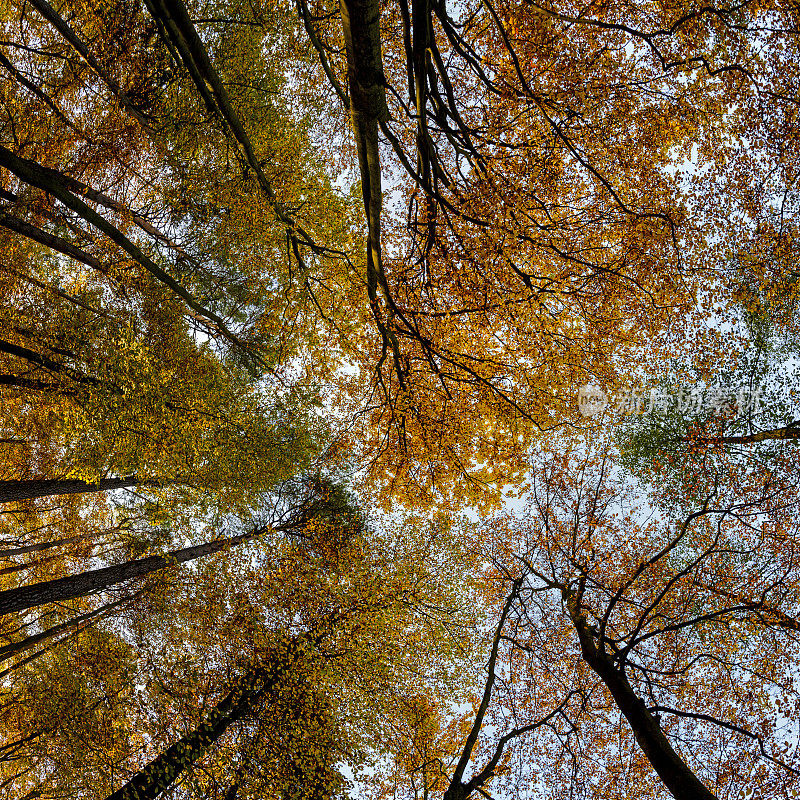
x=399, y=400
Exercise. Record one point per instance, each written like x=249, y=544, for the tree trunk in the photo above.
x=179, y=33
x=11, y=491
x=37, y=562
x=33, y=357
x=8, y=651
x=35, y=548
x=160, y=773
x=368, y=110
x=56, y=243
x=59, y=589
x=80, y=47
x=679, y=779
x=33, y=385
x=789, y=432
x=55, y=184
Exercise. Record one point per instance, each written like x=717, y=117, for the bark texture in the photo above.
x=160, y=773
x=36, y=594
x=12, y=491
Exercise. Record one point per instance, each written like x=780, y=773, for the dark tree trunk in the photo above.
x=676, y=775
x=160, y=773
x=32, y=357
x=11, y=491
x=56, y=243
x=80, y=47
x=35, y=548
x=37, y=562
x=368, y=111
x=178, y=31
x=37, y=594
x=789, y=432
x=8, y=651
x=33, y=385
x=57, y=185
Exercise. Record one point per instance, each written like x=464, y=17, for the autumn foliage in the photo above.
x=296, y=499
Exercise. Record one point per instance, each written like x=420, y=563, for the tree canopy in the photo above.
x=399, y=399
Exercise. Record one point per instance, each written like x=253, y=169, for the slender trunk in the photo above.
x=33, y=386
x=676, y=775
x=32, y=357
x=11, y=491
x=368, y=109
x=22, y=662
x=37, y=562
x=160, y=773
x=55, y=184
x=789, y=432
x=180, y=35
x=80, y=47
x=56, y=243
x=43, y=96
x=50, y=289
x=36, y=594
x=8, y=651
x=34, y=548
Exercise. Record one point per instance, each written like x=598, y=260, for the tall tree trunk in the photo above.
x=56, y=184
x=8, y=651
x=80, y=47
x=57, y=243
x=32, y=657
x=52, y=591
x=179, y=33
x=37, y=562
x=679, y=779
x=11, y=491
x=35, y=548
x=32, y=357
x=33, y=385
x=160, y=773
x=368, y=109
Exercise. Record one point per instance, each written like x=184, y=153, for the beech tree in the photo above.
x=724, y=418
x=519, y=261
x=633, y=652
x=104, y=373
x=292, y=644
x=577, y=247
x=549, y=230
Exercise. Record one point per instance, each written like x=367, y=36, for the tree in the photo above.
x=550, y=272
x=198, y=632
x=604, y=607
x=158, y=408
x=106, y=378
x=30, y=596
x=722, y=417
x=548, y=235
x=157, y=776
